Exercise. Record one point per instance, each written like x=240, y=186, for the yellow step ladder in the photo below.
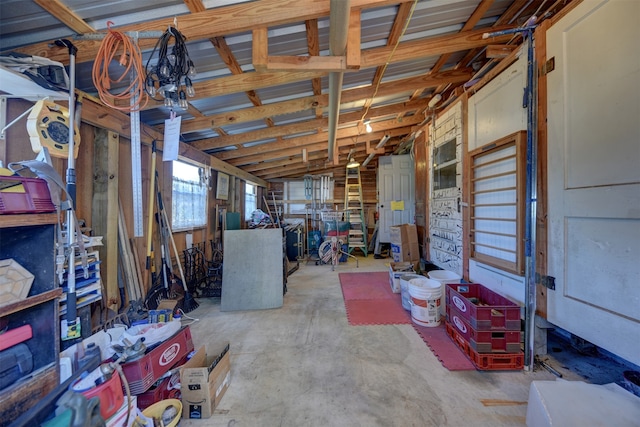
x=354, y=210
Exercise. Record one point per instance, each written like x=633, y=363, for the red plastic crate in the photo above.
x=482, y=308
x=490, y=341
x=169, y=388
x=486, y=361
x=35, y=198
x=145, y=371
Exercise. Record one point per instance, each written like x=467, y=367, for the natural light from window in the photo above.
x=189, y=201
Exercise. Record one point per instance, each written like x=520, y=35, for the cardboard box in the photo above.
x=203, y=381
x=142, y=373
x=397, y=270
x=404, y=233
x=404, y=243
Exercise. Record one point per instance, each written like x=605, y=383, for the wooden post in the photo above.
x=105, y=211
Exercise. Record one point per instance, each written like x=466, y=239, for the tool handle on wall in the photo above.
x=150, y=205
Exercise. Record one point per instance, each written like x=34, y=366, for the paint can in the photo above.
x=444, y=277
x=426, y=298
x=404, y=289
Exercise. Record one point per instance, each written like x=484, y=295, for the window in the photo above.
x=189, y=201
x=250, y=200
x=444, y=167
x=497, y=203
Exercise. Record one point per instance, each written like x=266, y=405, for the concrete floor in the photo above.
x=304, y=365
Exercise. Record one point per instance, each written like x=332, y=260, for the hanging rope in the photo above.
x=119, y=47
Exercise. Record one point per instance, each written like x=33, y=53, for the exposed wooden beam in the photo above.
x=313, y=45
x=62, y=13
x=394, y=37
x=500, y=51
x=353, y=41
x=251, y=114
x=319, y=102
x=261, y=152
x=306, y=126
x=312, y=143
x=195, y=6
x=306, y=63
x=260, y=48
x=257, y=135
x=214, y=22
x=439, y=45
x=370, y=58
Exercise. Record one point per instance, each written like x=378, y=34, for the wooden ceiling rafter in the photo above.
x=246, y=155
x=473, y=20
x=374, y=57
x=62, y=13
x=313, y=47
x=214, y=22
x=292, y=129
x=404, y=12
x=320, y=102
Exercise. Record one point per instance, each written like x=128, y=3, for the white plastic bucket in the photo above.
x=404, y=289
x=426, y=297
x=444, y=277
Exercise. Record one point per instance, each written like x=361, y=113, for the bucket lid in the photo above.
x=424, y=284
x=443, y=275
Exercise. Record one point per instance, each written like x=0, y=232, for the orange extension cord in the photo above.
x=117, y=43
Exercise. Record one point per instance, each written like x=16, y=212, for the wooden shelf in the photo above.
x=23, y=220
x=30, y=302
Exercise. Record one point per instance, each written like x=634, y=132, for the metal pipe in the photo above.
x=531, y=205
x=71, y=189
x=338, y=32
x=370, y=157
x=530, y=193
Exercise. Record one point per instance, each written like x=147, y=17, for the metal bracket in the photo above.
x=548, y=282
x=3, y=116
x=548, y=66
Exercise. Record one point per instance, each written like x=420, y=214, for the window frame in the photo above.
x=204, y=174
x=492, y=225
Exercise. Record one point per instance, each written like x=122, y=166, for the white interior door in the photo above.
x=395, y=191
x=594, y=175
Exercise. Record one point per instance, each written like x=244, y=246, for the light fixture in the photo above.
x=171, y=75
x=436, y=98
x=367, y=126
x=383, y=141
x=352, y=163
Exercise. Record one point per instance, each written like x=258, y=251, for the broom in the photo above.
x=188, y=303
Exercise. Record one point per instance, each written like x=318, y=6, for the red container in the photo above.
x=482, y=308
x=34, y=199
x=145, y=371
x=491, y=341
x=167, y=389
x=486, y=361
x=110, y=395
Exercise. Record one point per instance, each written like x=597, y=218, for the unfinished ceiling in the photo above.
x=263, y=98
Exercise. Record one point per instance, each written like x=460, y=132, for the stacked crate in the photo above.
x=485, y=325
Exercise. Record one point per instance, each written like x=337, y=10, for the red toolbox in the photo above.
x=482, y=308
x=486, y=361
x=145, y=371
x=489, y=341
